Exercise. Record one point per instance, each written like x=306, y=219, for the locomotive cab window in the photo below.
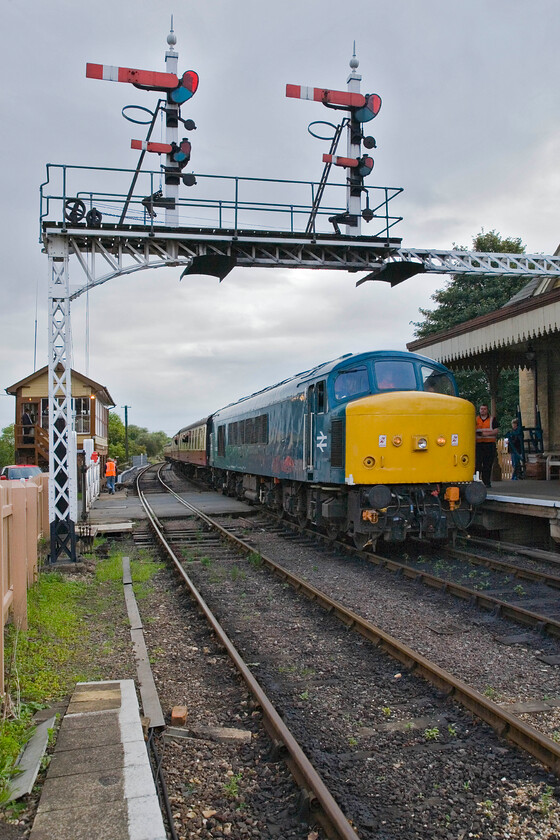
x=395, y=376
x=351, y=383
x=437, y=381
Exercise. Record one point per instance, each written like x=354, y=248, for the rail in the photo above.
x=215, y=201
x=324, y=807
x=24, y=519
x=506, y=724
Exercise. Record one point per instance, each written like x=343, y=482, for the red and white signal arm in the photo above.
x=95, y=457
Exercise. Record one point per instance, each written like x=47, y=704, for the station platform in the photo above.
x=527, y=510
x=119, y=511
x=99, y=783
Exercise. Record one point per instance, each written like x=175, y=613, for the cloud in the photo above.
x=469, y=128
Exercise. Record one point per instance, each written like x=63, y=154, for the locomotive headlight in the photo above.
x=397, y=440
x=441, y=441
x=419, y=442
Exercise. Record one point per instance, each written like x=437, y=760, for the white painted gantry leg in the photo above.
x=62, y=440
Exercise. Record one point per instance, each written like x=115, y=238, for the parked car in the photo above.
x=19, y=471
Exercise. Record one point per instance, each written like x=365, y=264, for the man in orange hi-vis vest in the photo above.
x=110, y=475
x=486, y=436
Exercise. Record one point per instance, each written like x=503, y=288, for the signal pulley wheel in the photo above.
x=74, y=210
x=93, y=218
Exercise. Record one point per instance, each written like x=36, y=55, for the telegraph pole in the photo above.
x=126, y=407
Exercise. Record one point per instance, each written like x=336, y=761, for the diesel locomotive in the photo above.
x=369, y=445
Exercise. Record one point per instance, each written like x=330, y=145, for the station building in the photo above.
x=524, y=334
x=90, y=407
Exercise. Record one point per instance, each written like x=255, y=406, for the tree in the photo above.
x=140, y=441
x=464, y=298
x=7, y=446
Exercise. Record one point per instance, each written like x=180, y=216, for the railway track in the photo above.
x=194, y=548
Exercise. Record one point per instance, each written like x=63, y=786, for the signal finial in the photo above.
x=354, y=63
x=171, y=38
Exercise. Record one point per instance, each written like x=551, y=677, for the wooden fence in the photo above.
x=23, y=521
x=504, y=459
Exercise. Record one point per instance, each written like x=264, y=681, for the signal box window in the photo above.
x=436, y=381
x=395, y=376
x=351, y=383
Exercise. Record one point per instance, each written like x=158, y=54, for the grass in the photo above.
x=72, y=636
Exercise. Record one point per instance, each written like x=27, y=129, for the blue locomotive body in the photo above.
x=369, y=444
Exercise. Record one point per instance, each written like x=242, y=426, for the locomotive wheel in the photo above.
x=332, y=531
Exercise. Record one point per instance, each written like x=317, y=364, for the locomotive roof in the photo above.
x=341, y=362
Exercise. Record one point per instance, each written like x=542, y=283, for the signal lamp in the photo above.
x=441, y=441
x=397, y=440
x=189, y=179
x=369, y=143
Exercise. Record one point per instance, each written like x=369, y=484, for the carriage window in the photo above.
x=437, y=381
x=395, y=376
x=350, y=383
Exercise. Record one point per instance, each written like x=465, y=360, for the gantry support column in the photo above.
x=62, y=440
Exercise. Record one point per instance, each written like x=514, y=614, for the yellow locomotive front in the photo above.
x=410, y=459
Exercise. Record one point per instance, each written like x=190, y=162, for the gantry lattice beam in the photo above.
x=111, y=252
x=405, y=262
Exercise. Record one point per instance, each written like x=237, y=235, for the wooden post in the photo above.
x=32, y=530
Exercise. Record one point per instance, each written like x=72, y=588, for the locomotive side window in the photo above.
x=437, y=381
x=350, y=383
x=251, y=430
x=395, y=376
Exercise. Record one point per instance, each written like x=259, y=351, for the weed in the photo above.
x=409, y=725
x=255, y=559
x=232, y=786
x=304, y=695
x=353, y=742
x=452, y=730
x=206, y=562
x=490, y=692
x=545, y=801
x=236, y=573
x=487, y=807
x=556, y=736
x=467, y=785
x=519, y=590
x=386, y=711
x=431, y=734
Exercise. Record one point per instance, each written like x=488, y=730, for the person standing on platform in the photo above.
x=110, y=475
x=515, y=448
x=486, y=436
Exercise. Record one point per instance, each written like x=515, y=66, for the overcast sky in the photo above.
x=469, y=128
